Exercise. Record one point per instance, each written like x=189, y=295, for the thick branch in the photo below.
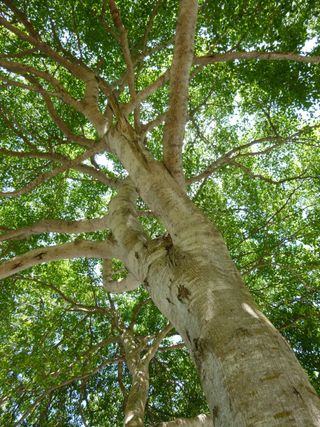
x=77, y=249
x=219, y=57
x=90, y=106
x=57, y=226
x=74, y=66
x=128, y=231
x=130, y=283
x=255, y=55
x=23, y=19
x=98, y=175
x=210, y=59
x=179, y=83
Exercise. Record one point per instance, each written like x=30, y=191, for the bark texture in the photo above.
x=199, y=421
x=249, y=374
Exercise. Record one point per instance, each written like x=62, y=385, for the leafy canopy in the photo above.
x=251, y=161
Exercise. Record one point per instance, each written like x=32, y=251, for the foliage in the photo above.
x=254, y=124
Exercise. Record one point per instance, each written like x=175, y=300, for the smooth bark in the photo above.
x=249, y=374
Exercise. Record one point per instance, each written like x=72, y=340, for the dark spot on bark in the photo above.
x=183, y=293
x=146, y=283
x=168, y=243
x=199, y=347
x=169, y=300
x=241, y=332
x=282, y=414
x=296, y=392
x=188, y=335
x=196, y=343
x=215, y=412
x=137, y=255
x=18, y=264
x=40, y=255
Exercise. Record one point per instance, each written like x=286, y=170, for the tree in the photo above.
x=131, y=133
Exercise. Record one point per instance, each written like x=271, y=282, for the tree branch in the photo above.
x=68, y=164
x=78, y=307
x=250, y=173
x=57, y=226
x=121, y=383
x=179, y=83
x=149, y=25
x=153, y=123
x=124, y=43
x=28, y=71
x=130, y=283
x=74, y=67
x=230, y=156
x=62, y=125
x=144, y=93
x=136, y=311
x=156, y=343
x=82, y=376
x=83, y=168
x=178, y=346
x=128, y=231
x=21, y=54
x=76, y=249
x=22, y=18
x=210, y=59
x=255, y=55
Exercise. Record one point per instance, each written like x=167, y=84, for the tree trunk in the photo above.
x=248, y=372
x=134, y=410
x=139, y=370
